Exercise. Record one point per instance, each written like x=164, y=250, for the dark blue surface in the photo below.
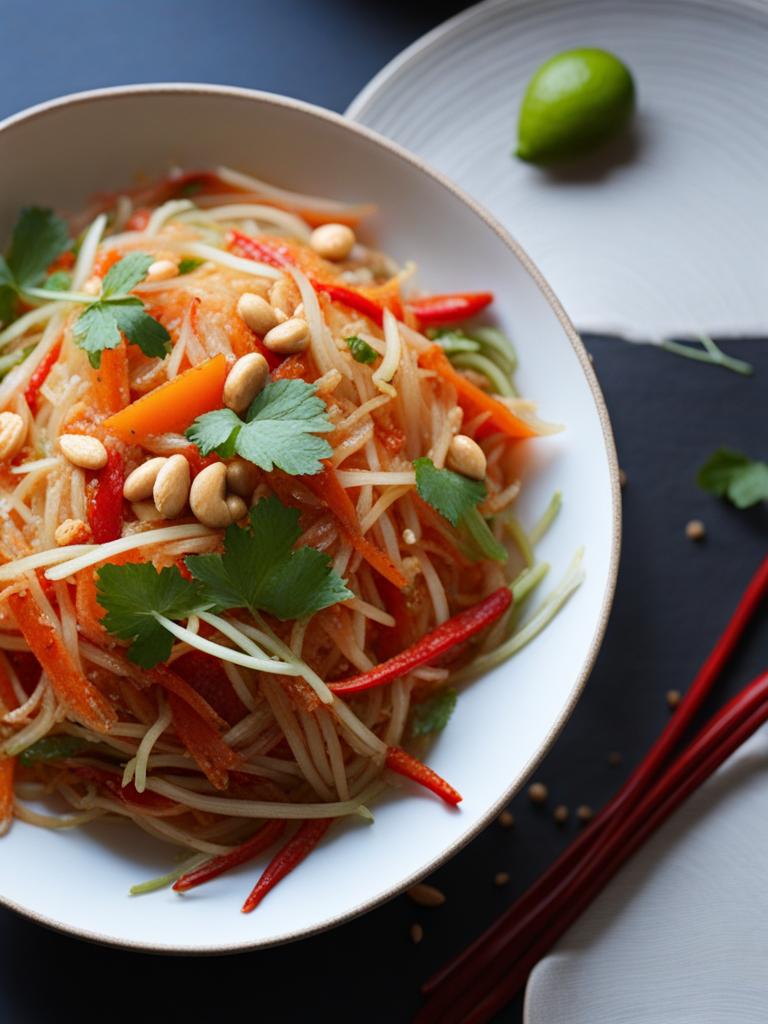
x=673, y=596
x=323, y=51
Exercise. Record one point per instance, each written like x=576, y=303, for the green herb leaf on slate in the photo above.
x=733, y=475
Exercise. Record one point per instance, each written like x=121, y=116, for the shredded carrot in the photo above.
x=206, y=675
x=89, y=611
x=111, y=389
x=8, y=702
x=7, y=768
x=295, y=367
x=474, y=401
x=72, y=688
x=327, y=487
x=174, y=405
x=172, y=682
x=8, y=699
x=106, y=260
x=203, y=742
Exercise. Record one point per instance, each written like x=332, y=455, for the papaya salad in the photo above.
x=258, y=520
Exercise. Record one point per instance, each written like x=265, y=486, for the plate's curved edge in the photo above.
x=149, y=89
x=402, y=60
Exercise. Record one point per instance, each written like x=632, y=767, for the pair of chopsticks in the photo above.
x=474, y=986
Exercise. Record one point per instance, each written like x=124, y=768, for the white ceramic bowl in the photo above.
x=59, y=153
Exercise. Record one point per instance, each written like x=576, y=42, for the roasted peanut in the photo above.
x=171, y=487
x=242, y=477
x=465, y=456
x=257, y=313
x=284, y=296
x=245, y=380
x=72, y=531
x=207, y=497
x=288, y=337
x=162, y=270
x=83, y=450
x=138, y=484
x=333, y=241
x=13, y=433
x=145, y=511
x=237, y=507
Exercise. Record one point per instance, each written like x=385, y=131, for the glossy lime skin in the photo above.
x=573, y=103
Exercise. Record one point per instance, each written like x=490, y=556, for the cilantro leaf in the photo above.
x=449, y=493
x=139, y=327
x=456, y=498
x=750, y=486
x=132, y=593
x=38, y=238
x=7, y=292
x=261, y=571
x=216, y=432
x=432, y=715
x=189, y=263
x=733, y=475
x=361, y=350
x=58, y=281
x=95, y=330
x=126, y=274
x=279, y=429
x=100, y=325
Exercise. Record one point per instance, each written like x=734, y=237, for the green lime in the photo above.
x=574, y=101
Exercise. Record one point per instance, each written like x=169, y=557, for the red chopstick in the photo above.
x=725, y=732
x=511, y=933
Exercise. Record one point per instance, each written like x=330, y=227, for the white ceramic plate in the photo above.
x=56, y=154
x=680, y=935
x=670, y=238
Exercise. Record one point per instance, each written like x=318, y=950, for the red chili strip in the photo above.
x=455, y=631
x=353, y=299
x=437, y=310
x=285, y=860
x=263, y=252
x=241, y=854
x=280, y=256
x=403, y=763
x=105, y=512
x=38, y=378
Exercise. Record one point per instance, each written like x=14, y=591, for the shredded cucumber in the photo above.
x=163, y=881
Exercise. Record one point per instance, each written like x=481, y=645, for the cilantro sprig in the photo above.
x=38, y=238
x=733, y=475
x=456, y=498
x=279, y=429
x=134, y=594
x=433, y=714
x=116, y=312
x=259, y=569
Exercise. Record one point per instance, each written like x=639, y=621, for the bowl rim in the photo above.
x=147, y=90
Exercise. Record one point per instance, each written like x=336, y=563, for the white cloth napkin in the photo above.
x=681, y=934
